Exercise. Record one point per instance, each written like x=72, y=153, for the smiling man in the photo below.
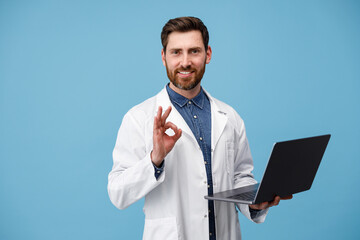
x=185, y=58
x=198, y=146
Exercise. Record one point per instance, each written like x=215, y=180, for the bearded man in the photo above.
x=198, y=146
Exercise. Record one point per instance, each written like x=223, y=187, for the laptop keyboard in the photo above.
x=247, y=196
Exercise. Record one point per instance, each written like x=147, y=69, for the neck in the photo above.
x=189, y=94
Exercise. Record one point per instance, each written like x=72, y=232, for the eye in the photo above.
x=175, y=52
x=194, y=51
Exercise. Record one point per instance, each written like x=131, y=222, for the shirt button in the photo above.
x=158, y=171
x=209, y=187
x=205, y=216
x=189, y=102
x=200, y=138
x=205, y=162
x=210, y=234
x=195, y=116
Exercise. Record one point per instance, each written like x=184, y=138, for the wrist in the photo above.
x=156, y=161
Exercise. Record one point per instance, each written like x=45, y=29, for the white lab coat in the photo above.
x=175, y=207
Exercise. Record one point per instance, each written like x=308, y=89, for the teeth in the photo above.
x=184, y=72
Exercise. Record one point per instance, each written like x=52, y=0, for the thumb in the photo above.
x=178, y=134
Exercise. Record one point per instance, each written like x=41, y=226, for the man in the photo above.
x=196, y=147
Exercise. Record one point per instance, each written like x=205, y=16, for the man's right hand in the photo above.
x=163, y=143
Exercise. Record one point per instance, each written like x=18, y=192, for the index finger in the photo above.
x=165, y=116
x=159, y=112
x=157, y=118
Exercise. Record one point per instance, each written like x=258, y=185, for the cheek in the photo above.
x=168, y=64
x=199, y=64
x=172, y=65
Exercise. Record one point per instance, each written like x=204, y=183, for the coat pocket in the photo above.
x=160, y=228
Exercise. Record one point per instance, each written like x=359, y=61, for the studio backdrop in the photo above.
x=70, y=70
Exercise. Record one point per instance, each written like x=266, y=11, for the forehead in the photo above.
x=189, y=39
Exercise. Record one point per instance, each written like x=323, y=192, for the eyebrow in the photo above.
x=180, y=49
x=195, y=48
x=173, y=49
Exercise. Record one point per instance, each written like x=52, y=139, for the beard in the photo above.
x=187, y=83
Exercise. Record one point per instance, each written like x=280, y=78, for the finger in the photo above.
x=177, y=131
x=260, y=206
x=178, y=135
x=156, y=124
x=276, y=201
x=171, y=125
x=159, y=112
x=264, y=205
x=255, y=206
x=287, y=197
x=157, y=118
x=165, y=116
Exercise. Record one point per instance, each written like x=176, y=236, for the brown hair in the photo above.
x=184, y=24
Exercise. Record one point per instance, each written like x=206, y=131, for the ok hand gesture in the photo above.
x=163, y=143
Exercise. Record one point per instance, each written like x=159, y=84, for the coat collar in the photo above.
x=218, y=116
x=181, y=101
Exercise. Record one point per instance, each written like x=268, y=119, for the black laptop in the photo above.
x=291, y=169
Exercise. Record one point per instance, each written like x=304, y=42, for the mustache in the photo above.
x=189, y=69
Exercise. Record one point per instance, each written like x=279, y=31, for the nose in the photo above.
x=186, y=61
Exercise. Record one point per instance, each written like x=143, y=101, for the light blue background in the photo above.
x=69, y=71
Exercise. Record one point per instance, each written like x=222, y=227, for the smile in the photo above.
x=185, y=74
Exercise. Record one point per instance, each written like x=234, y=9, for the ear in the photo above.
x=208, y=55
x=163, y=57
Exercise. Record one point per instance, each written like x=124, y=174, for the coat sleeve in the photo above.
x=243, y=167
x=132, y=175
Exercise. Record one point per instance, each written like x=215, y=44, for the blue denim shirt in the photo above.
x=197, y=114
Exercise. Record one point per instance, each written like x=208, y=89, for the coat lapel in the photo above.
x=218, y=117
x=218, y=121
x=163, y=100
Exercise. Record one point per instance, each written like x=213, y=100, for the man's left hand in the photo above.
x=265, y=205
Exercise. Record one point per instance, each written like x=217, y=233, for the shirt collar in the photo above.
x=181, y=100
